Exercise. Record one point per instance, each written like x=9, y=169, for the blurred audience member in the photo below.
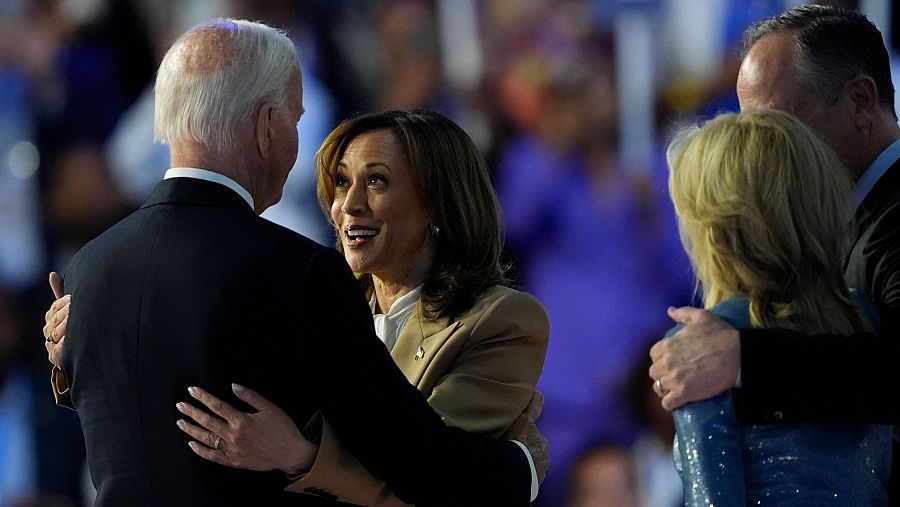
x=595, y=244
x=603, y=476
x=18, y=470
x=651, y=451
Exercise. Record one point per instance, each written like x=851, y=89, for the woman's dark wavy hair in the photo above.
x=454, y=185
x=833, y=46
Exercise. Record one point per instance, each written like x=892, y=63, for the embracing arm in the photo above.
x=483, y=389
x=787, y=376
x=383, y=420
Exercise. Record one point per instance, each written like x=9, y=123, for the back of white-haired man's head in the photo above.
x=215, y=77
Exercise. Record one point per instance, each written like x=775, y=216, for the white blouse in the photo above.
x=388, y=327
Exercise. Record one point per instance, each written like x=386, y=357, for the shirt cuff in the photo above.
x=534, y=480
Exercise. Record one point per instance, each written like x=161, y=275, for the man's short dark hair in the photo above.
x=833, y=46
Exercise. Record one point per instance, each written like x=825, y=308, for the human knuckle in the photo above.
x=205, y=420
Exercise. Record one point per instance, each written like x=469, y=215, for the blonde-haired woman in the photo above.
x=763, y=206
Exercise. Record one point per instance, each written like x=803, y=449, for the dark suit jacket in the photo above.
x=195, y=289
x=791, y=377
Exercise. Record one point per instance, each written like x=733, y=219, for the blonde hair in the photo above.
x=215, y=77
x=764, y=208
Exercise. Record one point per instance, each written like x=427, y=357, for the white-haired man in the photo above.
x=195, y=289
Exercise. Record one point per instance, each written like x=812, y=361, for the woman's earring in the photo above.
x=435, y=231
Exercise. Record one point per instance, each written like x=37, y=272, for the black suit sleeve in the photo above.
x=789, y=377
x=382, y=419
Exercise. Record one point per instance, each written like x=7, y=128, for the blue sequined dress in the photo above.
x=723, y=463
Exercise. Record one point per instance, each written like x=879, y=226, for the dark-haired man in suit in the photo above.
x=829, y=67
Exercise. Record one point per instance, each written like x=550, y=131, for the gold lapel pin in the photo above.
x=420, y=353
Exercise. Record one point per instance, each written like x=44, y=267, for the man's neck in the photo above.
x=230, y=165
x=883, y=135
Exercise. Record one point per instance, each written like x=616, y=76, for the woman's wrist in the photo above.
x=301, y=460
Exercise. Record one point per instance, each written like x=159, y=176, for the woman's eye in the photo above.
x=340, y=180
x=375, y=179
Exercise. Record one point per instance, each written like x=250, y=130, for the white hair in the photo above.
x=215, y=77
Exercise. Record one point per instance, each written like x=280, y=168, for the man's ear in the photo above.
x=864, y=95
x=264, y=121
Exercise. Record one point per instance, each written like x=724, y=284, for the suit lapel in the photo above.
x=884, y=194
x=418, y=343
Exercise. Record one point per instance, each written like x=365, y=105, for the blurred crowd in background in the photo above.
x=570, y=100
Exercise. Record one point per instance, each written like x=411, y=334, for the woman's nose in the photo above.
x=355, y=202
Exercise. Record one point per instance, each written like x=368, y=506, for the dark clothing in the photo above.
x=791, y=377
x=195, y=289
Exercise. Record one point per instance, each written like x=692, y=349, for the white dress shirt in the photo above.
x=206, y=175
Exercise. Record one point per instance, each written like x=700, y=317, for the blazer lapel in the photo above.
x=418, y=343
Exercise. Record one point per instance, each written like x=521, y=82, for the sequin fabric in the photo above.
x=723, y=463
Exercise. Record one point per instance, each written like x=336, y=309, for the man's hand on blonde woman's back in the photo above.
x=700, y=361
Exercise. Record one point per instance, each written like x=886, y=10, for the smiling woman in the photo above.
x=379, y=219
x=430, y=191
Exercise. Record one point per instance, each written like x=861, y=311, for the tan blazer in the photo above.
x=478, y=372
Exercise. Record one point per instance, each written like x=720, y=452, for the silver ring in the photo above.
x=49, y=339
x=658, y=387
x=217, y=442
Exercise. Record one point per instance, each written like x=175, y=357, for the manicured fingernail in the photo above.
x=192, y=390
x=180, y=406
x=192, y=445
x=180, y=423
x=67, y=297
x=238, y=388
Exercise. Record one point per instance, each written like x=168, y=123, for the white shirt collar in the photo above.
x=206, y=175
x=875, y=171
x=388, y=326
